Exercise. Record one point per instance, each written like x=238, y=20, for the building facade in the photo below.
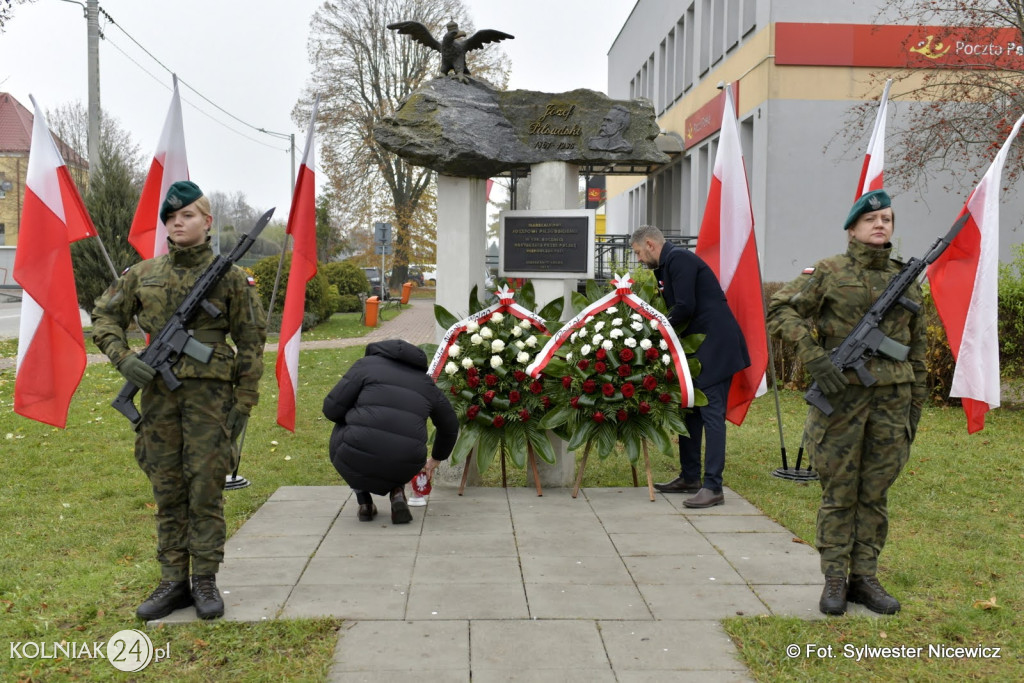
x=797, y=67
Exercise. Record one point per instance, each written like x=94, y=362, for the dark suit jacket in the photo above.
x=693, y=294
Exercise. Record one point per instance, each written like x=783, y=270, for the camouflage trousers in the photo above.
x=184, y=447
x=858, y=452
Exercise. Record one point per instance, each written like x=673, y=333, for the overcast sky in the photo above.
x=249, y=58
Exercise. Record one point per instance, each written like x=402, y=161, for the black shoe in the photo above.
x=168, y=596
x=833, y=596
x=367, y=512
x=400, y=507
x=679, y=485
x=865, y=590
x=206, y=597
x=705, y=498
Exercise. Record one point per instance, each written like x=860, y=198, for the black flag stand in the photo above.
x=785, y=472
x=233, y=481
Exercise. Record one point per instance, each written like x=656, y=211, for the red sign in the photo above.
x=708, y=119
x=898, y=46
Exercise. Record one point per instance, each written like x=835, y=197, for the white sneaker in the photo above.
x=417, y=501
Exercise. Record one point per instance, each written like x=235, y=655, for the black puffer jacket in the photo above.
x=380, y=409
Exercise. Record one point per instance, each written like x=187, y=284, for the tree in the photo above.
x=330, y=242
x=362, y=72
x=957, y=117
x=70, y=123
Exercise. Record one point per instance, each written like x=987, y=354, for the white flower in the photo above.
x=531, y=341
x=572, y=338
x=583, y=331
x=630, y=342
x=666, y=359
x=585, y=351
x=663, y=345
x=497, y=317
x=451, y=369
x=612, y=310
x=568, y=357
x=597, y=339
x=519, y=344
x=617, y=322
x=486, y=332
x=607, y=344
x=599, y=326
x=654, y=324
x=523, y=358
x=637, y=316
x=454, y=350
x=495, y=361
x=517, y=331
x=525, y=324
x=637, y=326
x=467, y=362
x=616, y=333
x=497, y=346
x=645, y=344
x=476, y=339
x=472, y=326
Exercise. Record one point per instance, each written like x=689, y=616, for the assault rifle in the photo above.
x=867, y=339
x=176, y=338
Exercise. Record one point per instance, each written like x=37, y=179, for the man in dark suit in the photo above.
x=697, y=305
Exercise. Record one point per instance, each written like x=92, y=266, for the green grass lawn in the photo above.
x=78, y=541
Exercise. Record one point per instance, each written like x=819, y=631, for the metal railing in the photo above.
x=613, y=254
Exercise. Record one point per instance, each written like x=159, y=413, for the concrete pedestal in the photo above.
x=461, y=241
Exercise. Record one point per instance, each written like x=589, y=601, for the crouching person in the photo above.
x=380, y=408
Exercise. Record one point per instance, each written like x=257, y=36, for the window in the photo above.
x=705, y=43
x=732, y=24
x=688, y=50
x=749, y=16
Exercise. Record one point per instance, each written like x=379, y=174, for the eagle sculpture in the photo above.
x=452, y=47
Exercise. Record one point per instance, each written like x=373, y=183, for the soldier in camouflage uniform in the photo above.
x=860, y=449
x=184, y=440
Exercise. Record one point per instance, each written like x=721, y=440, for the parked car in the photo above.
x=373, y=276
x=415, y=276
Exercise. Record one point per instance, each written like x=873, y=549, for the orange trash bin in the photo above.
x=406, y=289
x=372, y=304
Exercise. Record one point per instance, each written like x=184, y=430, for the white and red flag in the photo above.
x=874, y=160
x=302, y=228
x=51, y=349
x=148, y=233
x=965, y=286
x=727, y=244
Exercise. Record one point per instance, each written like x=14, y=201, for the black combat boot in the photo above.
x=168, y=596
x=833, y=597
x=206, y=597
x=865, y=590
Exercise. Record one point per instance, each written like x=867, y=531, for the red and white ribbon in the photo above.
x=623, y=293
x=506, y=304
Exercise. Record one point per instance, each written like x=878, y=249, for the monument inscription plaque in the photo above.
x=547, y=244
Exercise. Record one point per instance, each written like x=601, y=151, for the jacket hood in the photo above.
x=399, y=350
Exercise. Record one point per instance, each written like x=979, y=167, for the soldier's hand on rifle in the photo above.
x=828, y=376
x=136, y=371
x=237, y=417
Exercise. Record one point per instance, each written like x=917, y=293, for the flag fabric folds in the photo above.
x=302, y=228
x=148, y=233
x=727, y=244
x=51, y=349
x=874, y=160
x=965, y=287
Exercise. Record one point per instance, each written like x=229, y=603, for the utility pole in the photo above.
x=92, y=13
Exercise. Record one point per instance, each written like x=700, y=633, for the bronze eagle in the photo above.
x=453, y=46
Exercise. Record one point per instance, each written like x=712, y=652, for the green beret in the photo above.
x=181, y=193
x=870, y=201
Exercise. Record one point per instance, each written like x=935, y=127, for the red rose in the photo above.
x=621, y=416
x=472, y=372
x=624, y=370
x=472, y=412
x=598, y=416
x=575, y=402
x=524, y=415
x=583, y=364
x=650, y=384
x=490, y=380
x=513, y=396
x=455, y=391
x=519, y=375
x=645, y=407
x=669, y=375
x=628, y=390
x=536, y=386
x=664, y=398
x=601, y=354
x=566, y=382
x=488, y=396
x=608, y=389
x=498, y=421
x=600, y=367
x=589, y=387
x=651, y=354
x=473, y=382
x=546, y=402
x=626, y=355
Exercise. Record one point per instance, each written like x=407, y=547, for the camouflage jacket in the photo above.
x=820, y=308
x=154, y=288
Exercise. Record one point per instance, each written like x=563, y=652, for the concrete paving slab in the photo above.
x=778, y=568
x=682, y=570
x=382, y=602
x=558, y=543
x=270, y=525
x=640, y=646
x=261, y=571
x=489, y=522
x=578, y=570
x=332, y=571
x=734, y=505
x=448, y=569
x=666, y=525
x=298, y=508
x=647, y=544
x=340, y=542
x=328, y=493
x=380, y=674
x=530, y=675
x=470, y=545
x=685, y=677
x=793, y=600
x=702, y=602
x=755, y=544
x=709, y=524
x=585, y=601
x=426, y=647
x=250, y=546
x=253, y=603
x=470, y=601
x=536, y=646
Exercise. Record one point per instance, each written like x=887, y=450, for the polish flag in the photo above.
x=727, y=244
x=51, y=349
x=965, y=286
x=148, y=233
x=302, y=228
x=874, y=160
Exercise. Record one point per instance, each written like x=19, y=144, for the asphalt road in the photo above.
x=10, y=320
